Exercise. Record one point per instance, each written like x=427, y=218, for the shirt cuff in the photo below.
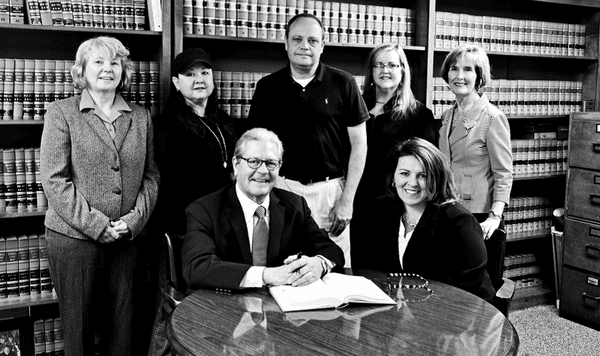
x=253, y=278
x=327, y=265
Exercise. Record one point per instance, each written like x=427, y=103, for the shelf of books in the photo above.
x=520, y=98
x=265, y=20
x=30, y=85
x=94, y=14
x=24, y=271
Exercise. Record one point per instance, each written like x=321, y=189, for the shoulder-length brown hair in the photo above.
x=440, y=181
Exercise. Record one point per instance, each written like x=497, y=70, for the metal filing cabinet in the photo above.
x=580, y=296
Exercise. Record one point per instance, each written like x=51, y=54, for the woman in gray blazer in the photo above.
x=99, y=175
x=475, y=137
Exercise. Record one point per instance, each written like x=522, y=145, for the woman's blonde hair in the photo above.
x=405, y=99
x=114, y=48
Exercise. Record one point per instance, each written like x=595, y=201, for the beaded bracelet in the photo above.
x=408, y=300
x=408, y=286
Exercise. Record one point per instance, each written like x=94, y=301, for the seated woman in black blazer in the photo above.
x=420, y=227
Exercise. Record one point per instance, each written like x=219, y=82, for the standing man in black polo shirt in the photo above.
x=319, y=114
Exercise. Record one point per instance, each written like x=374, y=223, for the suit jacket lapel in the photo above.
x=235, y=215
x=277, y=214
x=123, y=124
x=97, y=125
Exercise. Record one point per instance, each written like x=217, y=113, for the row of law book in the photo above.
x=20, y=181
x=48, y=337
x=539, y=157
x=109, y=14
x=267, y=19
x=505, y=35
x=19, y=70
x=528, y=282
x=235, y=90
x=519, y=265
x=527, y=216
x=24, y=266
x=519, y=97
x=28, y=86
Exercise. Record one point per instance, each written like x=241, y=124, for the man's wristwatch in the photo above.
x=495, y=215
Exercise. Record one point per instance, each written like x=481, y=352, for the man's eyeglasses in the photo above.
x=390, y=66
x=254, y=163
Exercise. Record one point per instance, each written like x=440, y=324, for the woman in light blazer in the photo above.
x=475, y=137
x=99, y=175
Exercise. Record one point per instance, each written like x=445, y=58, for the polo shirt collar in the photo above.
x=319, y=74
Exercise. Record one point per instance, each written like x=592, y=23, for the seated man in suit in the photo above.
x=251, y=234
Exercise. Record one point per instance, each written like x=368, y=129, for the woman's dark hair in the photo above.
x=177, y=109
x=440, y=181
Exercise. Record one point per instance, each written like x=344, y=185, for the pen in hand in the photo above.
x=298, y=257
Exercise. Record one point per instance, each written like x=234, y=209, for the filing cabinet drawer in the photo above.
x=580, y=294
x=581, y=245
x=583, y=194
x=584, y=151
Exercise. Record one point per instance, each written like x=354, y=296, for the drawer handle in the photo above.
x=596, y=146
x=585, y=295
x=595, y=198
x=592, y=247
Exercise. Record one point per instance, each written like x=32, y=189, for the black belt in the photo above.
x=317, y=179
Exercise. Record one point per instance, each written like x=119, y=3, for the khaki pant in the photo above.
x=321, y=198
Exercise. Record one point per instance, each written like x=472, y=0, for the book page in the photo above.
x=356, y=289
x=316, y=295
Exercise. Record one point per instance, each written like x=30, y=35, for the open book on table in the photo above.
x=335, y=290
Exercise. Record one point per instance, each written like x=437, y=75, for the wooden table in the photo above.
x=449, y=321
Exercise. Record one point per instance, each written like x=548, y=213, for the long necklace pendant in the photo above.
x=224, y=164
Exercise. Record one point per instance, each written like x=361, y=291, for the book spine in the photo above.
x=129, y=14
x=139, y=14
x=188, y=16
x=219, y=17
x=23, y=263
x=155, y=15
x=230, y=18
x=34, y=16
x=209, y=18
x=49, y=336
x=67, y=10
x=3, y=290
x=77, y=8
x=108, y=14
x=242, y=18
x=17, y=12
x=261, y=19
x=34, y=263
x=59, y=340
x=12, y=267
x=2, y=185
x=4, y=12
x=56, y=13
